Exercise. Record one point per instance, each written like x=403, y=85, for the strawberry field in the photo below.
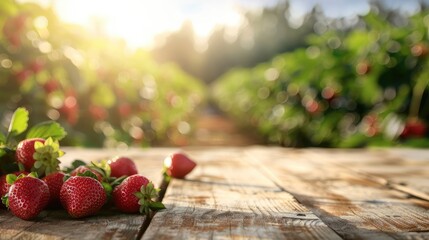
x=93, y=85
x=364, y=86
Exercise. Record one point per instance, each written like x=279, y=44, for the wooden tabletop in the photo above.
x=260, y=193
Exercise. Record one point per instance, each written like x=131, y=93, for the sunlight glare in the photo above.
x=140, y=22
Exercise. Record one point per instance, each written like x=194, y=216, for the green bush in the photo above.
x=361, y=87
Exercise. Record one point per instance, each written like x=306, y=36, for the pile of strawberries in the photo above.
x=31, y=179
x=83, y=189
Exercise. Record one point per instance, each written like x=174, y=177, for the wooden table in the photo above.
x=261, y=192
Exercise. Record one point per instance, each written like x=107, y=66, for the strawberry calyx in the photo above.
x=46, y=156
x=11, y=179
x=145, y=196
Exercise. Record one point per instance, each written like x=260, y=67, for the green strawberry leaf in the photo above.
x=66, y=177
x=155, y=206
x=5, y=200
x=107, y=188
x=116, y=181
x=145, y=196
x=46, y=156
x=75, y=164
x=88, y=174
x=47, y=129
x=11, y=178
x=18, y=123
x=102, y=167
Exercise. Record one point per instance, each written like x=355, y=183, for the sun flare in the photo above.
x=140, y=22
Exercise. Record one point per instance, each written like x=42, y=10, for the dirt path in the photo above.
x=214, y=128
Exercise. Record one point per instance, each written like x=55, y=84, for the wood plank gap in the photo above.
x=266, y=172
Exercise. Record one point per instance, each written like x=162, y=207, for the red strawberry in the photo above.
x=25, y=151
x=122, y=166
x=135, y=194
x=83, y=169
x=54, y=182
x=82, y=196
x=27, y=197
x=37, y=154
x=4, y=186
x=178, y=165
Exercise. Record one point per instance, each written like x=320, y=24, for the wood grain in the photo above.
x=227, y=198
x=348, y=202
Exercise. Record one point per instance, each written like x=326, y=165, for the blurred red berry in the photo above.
x=51, y=85
x=414, y=127
x=124, y=110
x=363, y=68
x=419, y=50
x=98, y=113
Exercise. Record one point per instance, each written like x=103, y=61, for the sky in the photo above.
x=141, y=22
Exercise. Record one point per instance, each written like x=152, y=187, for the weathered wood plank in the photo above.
x=225, y=197
x=351, y=204
x=402, y=169
x=108, y=224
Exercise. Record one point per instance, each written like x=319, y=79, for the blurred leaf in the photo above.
x=103, y=96
x=2, y=138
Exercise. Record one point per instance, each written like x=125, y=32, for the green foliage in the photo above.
x=353, y=88
x=103, y=93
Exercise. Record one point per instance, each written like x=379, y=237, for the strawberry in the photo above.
x=82, y=196
x=83, y=169
x=178, y=165
x=25, y=151
x=122, y=166
x=4, y=186
x=37, y=154
x=55, y=182
x=27, y=196
x=135, y=194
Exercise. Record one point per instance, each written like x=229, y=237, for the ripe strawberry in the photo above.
x=54, y=182
x=27, y=197
x=135, y=194
x=4, y=186
x=25, y=151
x=83, y=169
x=122, y=166
x=178, y=165
x=37, y=154
x=82, y=196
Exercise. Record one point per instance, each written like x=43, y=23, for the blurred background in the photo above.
x=297, y=73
